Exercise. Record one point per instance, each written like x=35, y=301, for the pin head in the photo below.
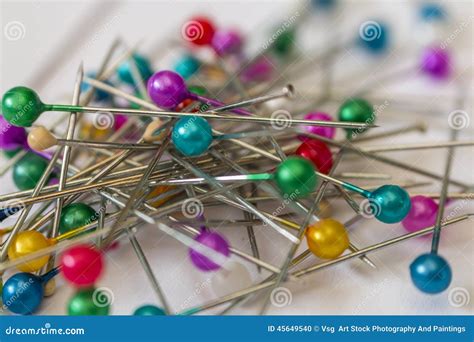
x=154, y=131
x=28, y=171
x=187, y=66
x=259, y=71
x=327, y=239
x=327, y=132
x=216, y=242
x=167, y=89
x=143, y=65
x=432, y=12
x=99, y=94
x=295, y=177
x=23, y=293
x=436, y=63
x=25, y=243
x=192, y=135
x=11, y=137
x=430, y=273
x=284, y=43
x=21, y=106
x=198, y=31
x=227, y=42
x=318, y=153
x=149, y=310
x=89, y=302
x=356, y=110
x=40, y=139
x=422, y=214
x=81, y=265
x=323, y=4
x=76, y=215
x=390, y=203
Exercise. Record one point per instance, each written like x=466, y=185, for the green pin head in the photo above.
x=356, y=110
x=21, y=106
x=296, y=177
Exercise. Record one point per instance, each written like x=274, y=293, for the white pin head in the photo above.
x=154, y=132
x=40, y=139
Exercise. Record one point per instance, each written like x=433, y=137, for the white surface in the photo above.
x=349, y=288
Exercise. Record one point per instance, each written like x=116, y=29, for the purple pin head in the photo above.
x=11, y=137
x=422, y=214
x=436, y=63
x=326, y=132
x=214, y=241
x=167, y=89
x=259, y=71
x=226, y=42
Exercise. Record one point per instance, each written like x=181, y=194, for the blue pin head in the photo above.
x=430, y=273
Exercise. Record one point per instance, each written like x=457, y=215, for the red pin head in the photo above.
x=81, y=265
x=318, y=153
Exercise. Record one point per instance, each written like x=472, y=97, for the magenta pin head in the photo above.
x=436, y=63
x=226, y=42
x=422, y=214
x=11, y=137
x=214, y=241
x=167, y=89
x=326, y=132
x=259, y=71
